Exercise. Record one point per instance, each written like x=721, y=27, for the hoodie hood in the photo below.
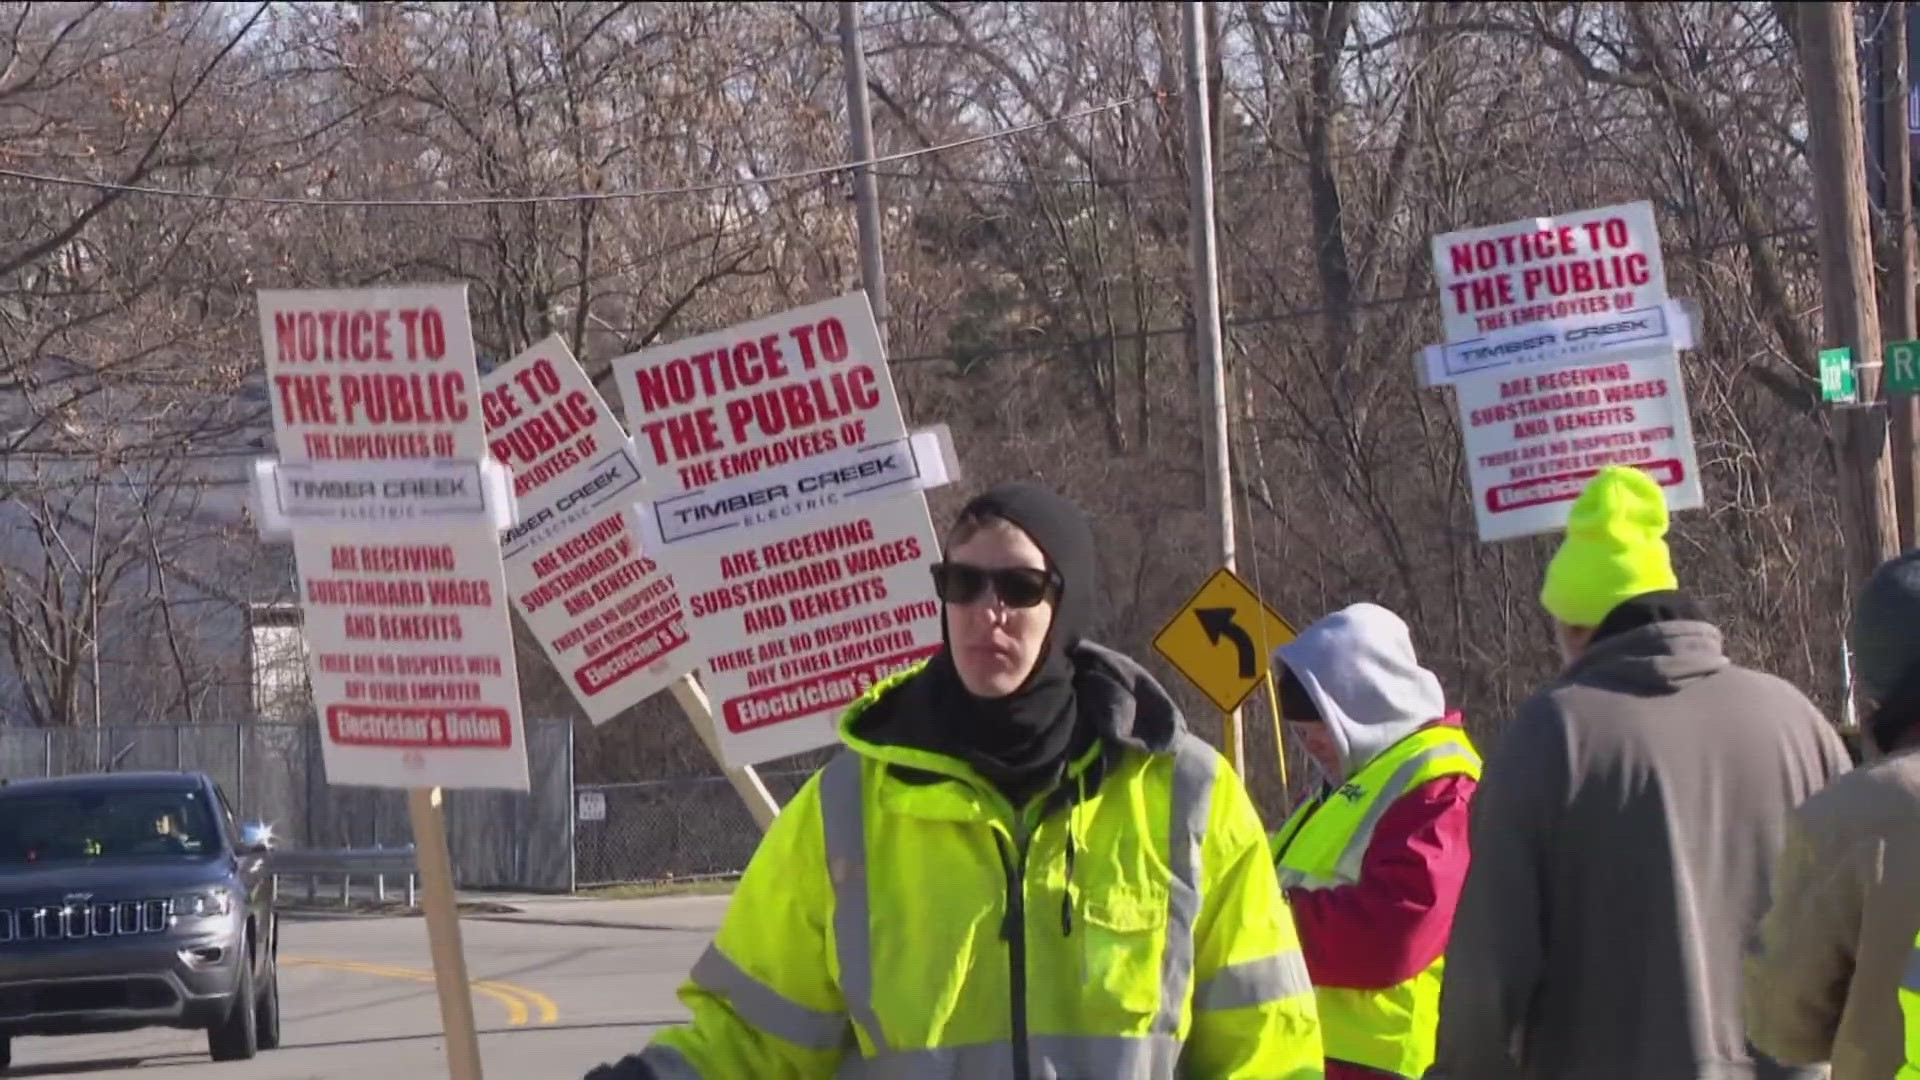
x=1022, y=740
x=1655, y=658
x=1359, y=666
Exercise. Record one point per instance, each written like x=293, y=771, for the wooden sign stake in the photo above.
x=443, y=933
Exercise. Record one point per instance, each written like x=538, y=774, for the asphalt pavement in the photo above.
x=560, y=985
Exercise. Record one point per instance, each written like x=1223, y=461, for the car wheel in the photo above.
x=267, y=1021
x=237, y=1038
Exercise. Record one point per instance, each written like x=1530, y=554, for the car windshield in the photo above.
x=96, y=826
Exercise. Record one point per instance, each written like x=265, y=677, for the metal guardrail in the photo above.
x=345, y=864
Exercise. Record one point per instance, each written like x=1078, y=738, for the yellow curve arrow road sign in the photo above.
x=1221, y=639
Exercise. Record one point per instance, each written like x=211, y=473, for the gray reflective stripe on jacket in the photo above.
x=668, y=1064
x=1194, y=764
x=843, y=814
x=1051, y=1057
x=1347, y=871
x=1255, y=982
x=768, y=1009
x=1910, y=982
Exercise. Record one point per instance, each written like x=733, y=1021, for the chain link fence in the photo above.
x=668, y=830
x=552, y=839
x=274, y=772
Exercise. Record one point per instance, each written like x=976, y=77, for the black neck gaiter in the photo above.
x=1022, y=742
x=1646, y=610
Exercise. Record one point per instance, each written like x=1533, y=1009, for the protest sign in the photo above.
x=1563, y=351
x=1661, y=328
x=606, y=614
x=376, y=405
x=1541, y=291
x=785, y=496
x=1541, y=269
x=1533, y=440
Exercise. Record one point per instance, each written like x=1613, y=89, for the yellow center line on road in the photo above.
x=549, y=1012
x=515, y=999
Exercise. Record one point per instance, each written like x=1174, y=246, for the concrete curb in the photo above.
x=589, y=924
x=321, y=913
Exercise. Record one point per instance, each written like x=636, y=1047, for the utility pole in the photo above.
x=1206, y=313
x=1851, y=315
x=1892, y=74
x=866, y=196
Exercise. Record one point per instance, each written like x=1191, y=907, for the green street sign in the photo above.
x=1902, y=369
x=1836, y=375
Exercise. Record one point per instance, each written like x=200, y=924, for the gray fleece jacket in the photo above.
x=1623, y=837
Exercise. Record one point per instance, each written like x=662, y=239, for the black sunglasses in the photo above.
x=1017, y=586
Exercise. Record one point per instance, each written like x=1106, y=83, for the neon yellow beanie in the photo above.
x=1615, y=549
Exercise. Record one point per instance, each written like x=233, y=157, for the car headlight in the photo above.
x=206, y=904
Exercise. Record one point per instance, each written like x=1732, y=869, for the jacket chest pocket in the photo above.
x=1124, y=939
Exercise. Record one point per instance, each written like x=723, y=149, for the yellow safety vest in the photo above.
x=1910, y=1008
x=1322, y=846
x=902, y=920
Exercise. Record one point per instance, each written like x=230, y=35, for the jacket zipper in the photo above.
x=1013, y=860
x=1014, y=931
x=1319, y=802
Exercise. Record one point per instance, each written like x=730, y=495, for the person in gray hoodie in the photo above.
x=1372, y=865
x=1625, y=830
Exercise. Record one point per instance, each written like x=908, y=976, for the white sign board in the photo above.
x=408, y=645
x=874, y=471
x=1563, y=352
x=593, y=806
x=365, y=493
x=1536, y=271
x=785, y=492
x=606, y=614
x=1533, y=440
x=1656, y=330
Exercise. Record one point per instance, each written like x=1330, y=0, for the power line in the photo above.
x=1062, y=347
x=569, y=197
x=1290, y=158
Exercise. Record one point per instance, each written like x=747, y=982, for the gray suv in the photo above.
x=133, y=900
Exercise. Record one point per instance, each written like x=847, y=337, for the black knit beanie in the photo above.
x=1885, y=639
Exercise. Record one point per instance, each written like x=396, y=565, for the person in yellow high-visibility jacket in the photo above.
x=1021, y=866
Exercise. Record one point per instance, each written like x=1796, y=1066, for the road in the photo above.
x=358, y=999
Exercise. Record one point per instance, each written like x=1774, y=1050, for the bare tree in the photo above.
x=626, y=173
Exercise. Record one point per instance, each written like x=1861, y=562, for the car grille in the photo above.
x=140, y=993
x=64, y=922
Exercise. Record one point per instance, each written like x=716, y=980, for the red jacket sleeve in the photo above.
x=1394, y=923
